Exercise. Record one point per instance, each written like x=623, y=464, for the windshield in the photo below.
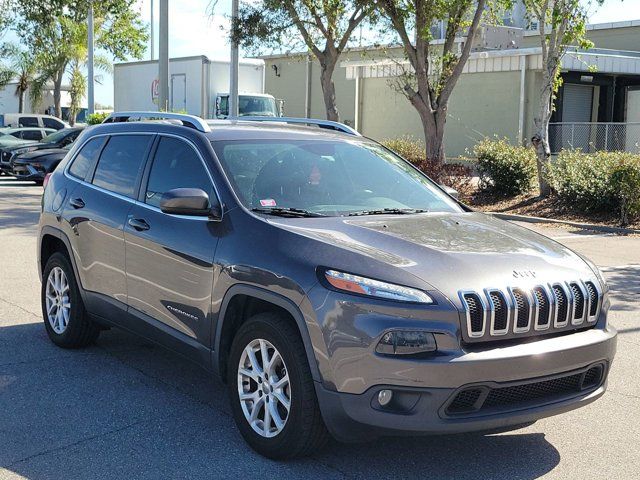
x=257, y=106
x=55, y=137
x=327, y=177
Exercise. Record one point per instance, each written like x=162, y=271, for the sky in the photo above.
x=193, y=32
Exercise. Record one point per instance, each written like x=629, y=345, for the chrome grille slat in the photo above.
x=519, y=311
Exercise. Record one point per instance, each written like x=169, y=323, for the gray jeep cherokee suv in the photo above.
x=332, y=286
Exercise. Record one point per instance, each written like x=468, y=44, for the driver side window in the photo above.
x=175, y=165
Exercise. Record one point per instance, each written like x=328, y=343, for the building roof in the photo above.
x=600, y=60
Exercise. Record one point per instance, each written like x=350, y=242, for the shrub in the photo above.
x=505, y=169
x=95, y=118
x=601, y=181
x=453, y=175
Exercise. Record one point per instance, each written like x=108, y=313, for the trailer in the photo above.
x=197, y=85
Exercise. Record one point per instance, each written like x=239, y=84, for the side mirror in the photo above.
x=189, y=201
x=452, y=192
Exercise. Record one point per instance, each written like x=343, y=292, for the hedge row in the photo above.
x=601, y=181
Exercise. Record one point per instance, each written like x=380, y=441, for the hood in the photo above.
x=14, y=142
x=451, y=252
x=31, y=145
x=39, y=154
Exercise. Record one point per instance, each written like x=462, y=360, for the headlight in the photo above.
x=21, y=150
x=375, y=288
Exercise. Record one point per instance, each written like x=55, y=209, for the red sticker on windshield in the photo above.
x=268, y=202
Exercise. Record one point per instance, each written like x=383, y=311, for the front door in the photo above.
x=179, y=92
x=170, y=257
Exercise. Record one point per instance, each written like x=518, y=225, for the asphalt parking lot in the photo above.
x=125, y=408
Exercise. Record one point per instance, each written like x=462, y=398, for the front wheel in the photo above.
x=271, y=389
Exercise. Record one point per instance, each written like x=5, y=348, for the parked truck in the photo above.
x=197, y=85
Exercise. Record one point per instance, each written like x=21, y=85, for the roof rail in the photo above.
x=187, y=120
x=328, y=124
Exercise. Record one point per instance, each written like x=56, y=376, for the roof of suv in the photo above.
x=246, y=130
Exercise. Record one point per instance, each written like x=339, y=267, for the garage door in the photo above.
x=633, y=119
x=577, y=103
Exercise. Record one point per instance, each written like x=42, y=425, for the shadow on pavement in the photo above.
x=624, y=286
x=19, y=210
x=126, y=408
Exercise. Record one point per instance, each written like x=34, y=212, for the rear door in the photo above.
x=97, y=208
x=170, y=257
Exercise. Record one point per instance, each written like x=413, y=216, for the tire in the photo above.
x=303, y=431
x=73, y=329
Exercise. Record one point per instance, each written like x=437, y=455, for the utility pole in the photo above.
x=90, y=77
x=153, y=29
x=233, y=74
x=163, y=57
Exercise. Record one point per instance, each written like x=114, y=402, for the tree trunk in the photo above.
x=57, y=94
x=540, y=139
x=434, y=137
x=21, y=101
x=327, y=67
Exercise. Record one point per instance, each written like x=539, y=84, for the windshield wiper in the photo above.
x=387, y=211
x=286, y=212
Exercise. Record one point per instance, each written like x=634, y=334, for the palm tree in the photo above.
x=68, y=55
x=25, y=68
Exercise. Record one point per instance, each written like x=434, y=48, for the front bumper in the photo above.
x=27, y=172
x=422, y=408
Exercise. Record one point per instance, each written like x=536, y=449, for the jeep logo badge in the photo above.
x=524, y=274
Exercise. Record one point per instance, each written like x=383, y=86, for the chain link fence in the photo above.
x=593, y=137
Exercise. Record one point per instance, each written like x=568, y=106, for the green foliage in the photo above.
x=505, y=169
x=55, y=32
x=601, y=181
x=454, y=175
x=96, y=118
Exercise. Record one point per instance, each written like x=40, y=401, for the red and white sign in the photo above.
x=155, y=91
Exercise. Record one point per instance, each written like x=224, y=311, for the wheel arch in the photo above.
x=230, y=320
x=52, y=240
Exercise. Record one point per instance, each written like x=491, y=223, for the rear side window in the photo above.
x=120, y=163
x=85, y=158
x=29, y=122
x=176, y=165
x=52, y=123
x=32, y=135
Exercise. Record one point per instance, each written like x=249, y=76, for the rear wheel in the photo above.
x=65, y=318
x=271, y=389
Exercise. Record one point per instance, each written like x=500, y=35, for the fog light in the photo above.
x=406, y=342
x=384, y=397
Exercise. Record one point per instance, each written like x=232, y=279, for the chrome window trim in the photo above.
x=492, y=330
x=133, y=200
x=465, y=305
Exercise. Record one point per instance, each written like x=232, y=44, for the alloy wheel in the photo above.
x=58, y=304
x=264, y=390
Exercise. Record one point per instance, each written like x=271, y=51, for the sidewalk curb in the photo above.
x=584, y=226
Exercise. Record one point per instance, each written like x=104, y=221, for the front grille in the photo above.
x=522, y=306
x=465, y=401
x=578, y=301
x=593, y=298
x=562, y=304
x=500, y=311
x=476, y=314
x=542, y=309
x=471, y=400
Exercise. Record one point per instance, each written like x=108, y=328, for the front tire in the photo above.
x=65, y=318
x=271, y=390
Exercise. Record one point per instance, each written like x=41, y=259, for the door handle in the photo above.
x=77, y=203
x=138, y=224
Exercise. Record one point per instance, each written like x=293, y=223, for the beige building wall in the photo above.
x=617, y=38
x=482, y=103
